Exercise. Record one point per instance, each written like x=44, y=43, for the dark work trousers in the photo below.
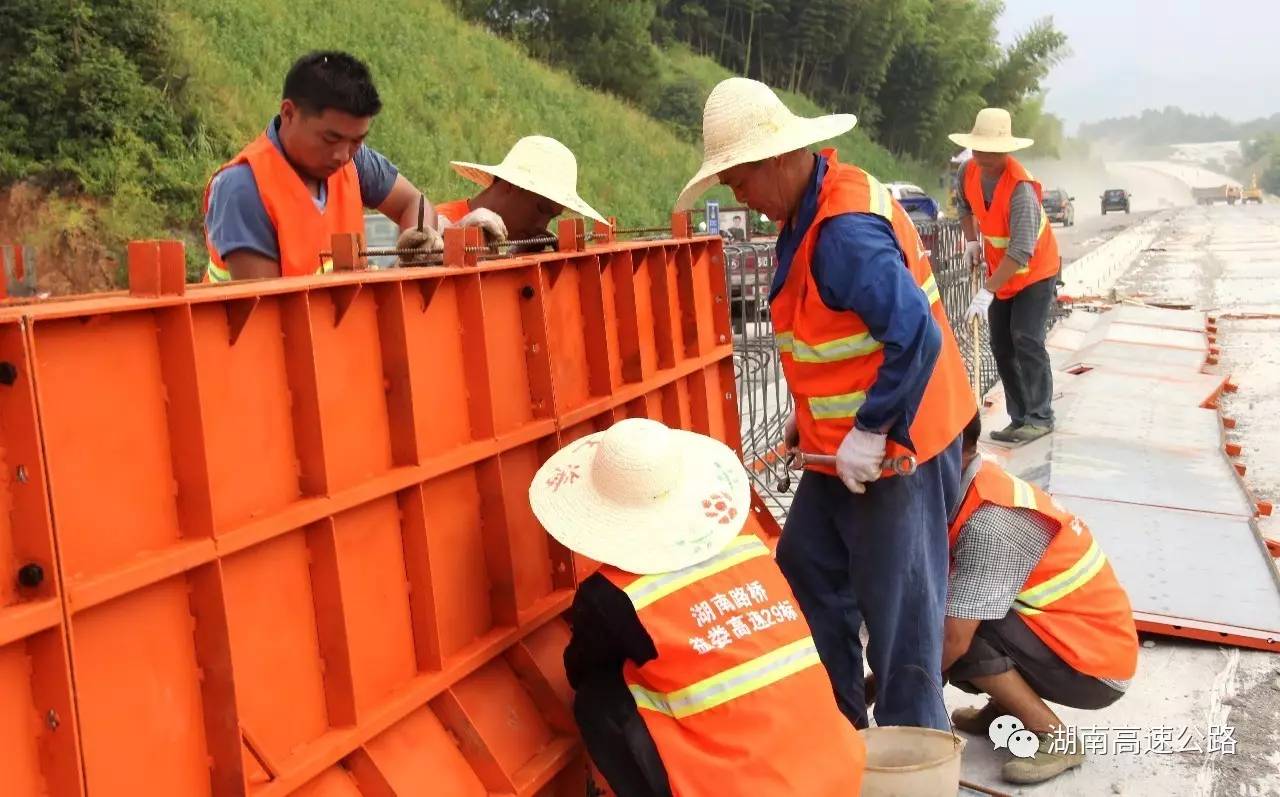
x=1018, y=328
x=880, y=557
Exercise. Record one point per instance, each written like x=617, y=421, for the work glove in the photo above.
x=973, y=253
x=495, y=229
x=860, y=459
x=423, y=241
x=791, y=432
x=980, y=305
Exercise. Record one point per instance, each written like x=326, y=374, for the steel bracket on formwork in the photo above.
x=682, y=224
x=348, y=251
x=603, y=234
x=462, y=246
x=571, y=235
x=157, y=268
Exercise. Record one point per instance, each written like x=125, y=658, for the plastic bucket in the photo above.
x=911, y=762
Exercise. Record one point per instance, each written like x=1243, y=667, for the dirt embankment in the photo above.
x=65, y=234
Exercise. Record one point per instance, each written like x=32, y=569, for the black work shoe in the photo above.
x=1006, y=435
x=1029, y=432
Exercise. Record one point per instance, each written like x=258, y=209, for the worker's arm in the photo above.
x=858, y=267
x=1024, y=229
x=246, y=264
x=401, y=205
x=970, y=227
x=957, y=635
x=238, y=227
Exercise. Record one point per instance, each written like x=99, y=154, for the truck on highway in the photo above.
x=1212, y=194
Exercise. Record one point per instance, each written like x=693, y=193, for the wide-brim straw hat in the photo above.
x=992, y=132
x=744, y=122
x=538, y=164
x=642, y=497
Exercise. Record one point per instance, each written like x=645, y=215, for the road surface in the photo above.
x=1225, y=260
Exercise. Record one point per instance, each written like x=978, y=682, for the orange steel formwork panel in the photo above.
x=283, y=526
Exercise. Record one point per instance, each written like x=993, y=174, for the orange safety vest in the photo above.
x=455, y=210
x=303, y=232
x=737, y=701
x=1072, y=599
x=993, y=222
x=830, y=358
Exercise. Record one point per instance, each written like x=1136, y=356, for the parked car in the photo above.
x=1059, y=207
x=915, y=201
x=1115, y=199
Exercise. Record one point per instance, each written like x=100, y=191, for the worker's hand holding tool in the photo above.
x=973, y=253
x=980, y=305
x=495, y=229
x=424, y=240
x=860, y=459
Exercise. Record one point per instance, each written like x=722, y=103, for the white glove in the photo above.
x=425, y=239
x=791, y=432
x=980, y=305
x=860, y=459
x=973, y=253
x=495, y=229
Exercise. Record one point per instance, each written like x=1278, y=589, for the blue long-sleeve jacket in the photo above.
x=859, y=267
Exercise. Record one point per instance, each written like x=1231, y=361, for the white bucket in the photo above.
x=911, y=762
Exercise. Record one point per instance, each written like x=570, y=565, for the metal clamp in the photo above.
x=902, y=465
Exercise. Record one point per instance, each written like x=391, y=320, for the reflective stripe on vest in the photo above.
x=733, y=683
x=1073, y=578
x=845, y=405
x=1024, y=497
x=999, y=242
x=880, y=200
x=649, y=589
x=217, y=273
x=858, y=345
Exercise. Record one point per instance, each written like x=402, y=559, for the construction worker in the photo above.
x=1000, y=201
x=536, y=181
x=272, y=209
x=1034, y=613
x=694, y=671
x=874, y=371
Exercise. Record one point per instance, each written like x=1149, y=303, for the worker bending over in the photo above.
x=874, y=371
x=1000, y=202
x=694, y=671
x=536, y=181
x=1034, y=613
x=272, y=210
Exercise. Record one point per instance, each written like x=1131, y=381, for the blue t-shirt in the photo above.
x=858, y=266
x=238, y=220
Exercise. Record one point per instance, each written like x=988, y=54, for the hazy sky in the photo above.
x=1209, y=57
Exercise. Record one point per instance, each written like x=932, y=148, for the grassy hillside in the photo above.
x=450, y=91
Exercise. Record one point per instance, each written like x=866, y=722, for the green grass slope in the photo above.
x=453, y=91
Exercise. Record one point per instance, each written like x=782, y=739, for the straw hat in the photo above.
x=744, y=122
x=992, y=132
x=538, y=164
x=643, y=498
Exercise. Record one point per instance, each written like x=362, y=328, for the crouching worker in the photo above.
x=693, y=669
x=1034, y=614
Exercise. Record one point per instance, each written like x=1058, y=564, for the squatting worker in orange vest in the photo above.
x=1000, y=202
x=534, y=183
x=1034, y=613
x=271, y=210
x=874, y=371
x=694, y=672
